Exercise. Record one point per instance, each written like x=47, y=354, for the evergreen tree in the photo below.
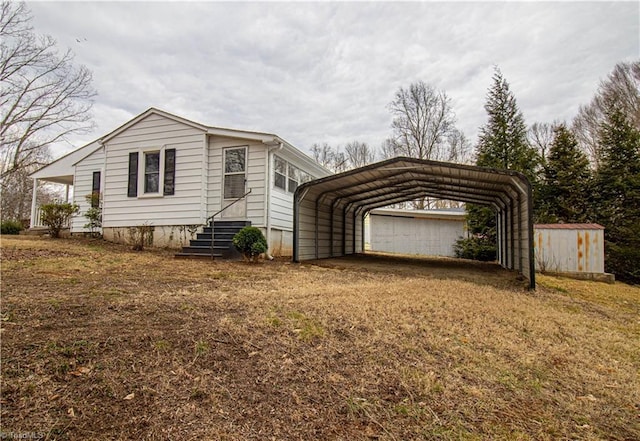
x=502, y=144
x=565, y=188
x=618, y=195
x=503, y=140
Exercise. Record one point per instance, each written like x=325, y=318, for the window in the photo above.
x=153, y=174
x=293, y=179
x=234, y=172
x=132, y=191
x=95, y=190
x=280, y=167
x=287, y=176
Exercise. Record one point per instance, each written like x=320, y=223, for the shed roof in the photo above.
x=568, y=227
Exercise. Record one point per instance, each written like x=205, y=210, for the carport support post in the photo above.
x=503, y=242
x=296, y=229
x=344, y=230
x=532, y=263
x=499, y=237
x=354, y=231
x=331, y=232
x=512, y=264
x=317, y=225
x=362, y=238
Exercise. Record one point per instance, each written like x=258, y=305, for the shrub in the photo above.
x=56, y=216
x=250, y=242
x=11, y=227
x=476, y=248
x=94, y=213
x=141, y=235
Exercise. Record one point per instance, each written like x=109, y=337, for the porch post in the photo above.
x=34, y=204
x=66, y=193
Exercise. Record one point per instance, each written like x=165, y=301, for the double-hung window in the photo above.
x=152, y=173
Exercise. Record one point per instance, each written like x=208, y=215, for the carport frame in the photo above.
x=347, y=197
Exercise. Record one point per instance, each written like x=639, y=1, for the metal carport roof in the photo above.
x=329, y=212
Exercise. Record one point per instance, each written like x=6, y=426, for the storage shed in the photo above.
x=575, y=250
x=422, y=232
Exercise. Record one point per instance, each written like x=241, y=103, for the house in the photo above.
x=421, y=232
x=172, y=174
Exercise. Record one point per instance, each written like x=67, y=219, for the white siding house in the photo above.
x=172, y=174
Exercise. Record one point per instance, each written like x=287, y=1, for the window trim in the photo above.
x=143, y=172
x=142, y=152
x=244, y=172
x=95, y=201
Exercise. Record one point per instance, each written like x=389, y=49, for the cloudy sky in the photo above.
x=326, y=72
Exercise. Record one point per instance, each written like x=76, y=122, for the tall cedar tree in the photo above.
x=566, y=186
x=618, y=195
x=503, y=140
x=502, y=144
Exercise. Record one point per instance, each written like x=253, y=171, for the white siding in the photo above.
x=408, y=235
x=83, y=180
x=256, y=168
x=282, y=200
x=154, y=132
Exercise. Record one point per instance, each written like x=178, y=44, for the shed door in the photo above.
x=234, y=182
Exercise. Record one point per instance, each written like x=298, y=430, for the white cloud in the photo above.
x=316, y=72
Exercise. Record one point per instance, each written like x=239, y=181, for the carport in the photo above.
x=329, y=213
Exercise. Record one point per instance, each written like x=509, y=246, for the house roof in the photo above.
x=61, y=170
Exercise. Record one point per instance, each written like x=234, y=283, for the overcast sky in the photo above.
x=326, y=72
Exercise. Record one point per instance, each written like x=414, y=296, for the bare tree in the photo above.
x=359, y=154
x=43, y=96
x=390, y=149
x=16, y=193
x=332, y=158
x=458, y=147
x=620, y=90
x=541, y=136
x=424, y=128
x=422, y=120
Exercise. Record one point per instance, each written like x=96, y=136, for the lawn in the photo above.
x=100, y=342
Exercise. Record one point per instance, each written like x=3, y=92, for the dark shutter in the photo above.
x=132, y=191
x=95, y=190
x=169, y=171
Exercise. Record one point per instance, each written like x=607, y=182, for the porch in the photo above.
x=61, y=172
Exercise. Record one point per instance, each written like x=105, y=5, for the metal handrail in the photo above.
x=210, y=218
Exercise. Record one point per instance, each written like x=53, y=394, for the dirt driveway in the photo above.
x=444, y=268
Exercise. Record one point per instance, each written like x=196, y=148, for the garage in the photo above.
x=329, y=213
x=416, y=232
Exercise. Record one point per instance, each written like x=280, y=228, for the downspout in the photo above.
x=103, y=183
x=267, y=192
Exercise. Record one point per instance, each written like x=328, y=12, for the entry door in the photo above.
x=234, y=182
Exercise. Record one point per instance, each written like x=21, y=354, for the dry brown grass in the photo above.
x=99, y=342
